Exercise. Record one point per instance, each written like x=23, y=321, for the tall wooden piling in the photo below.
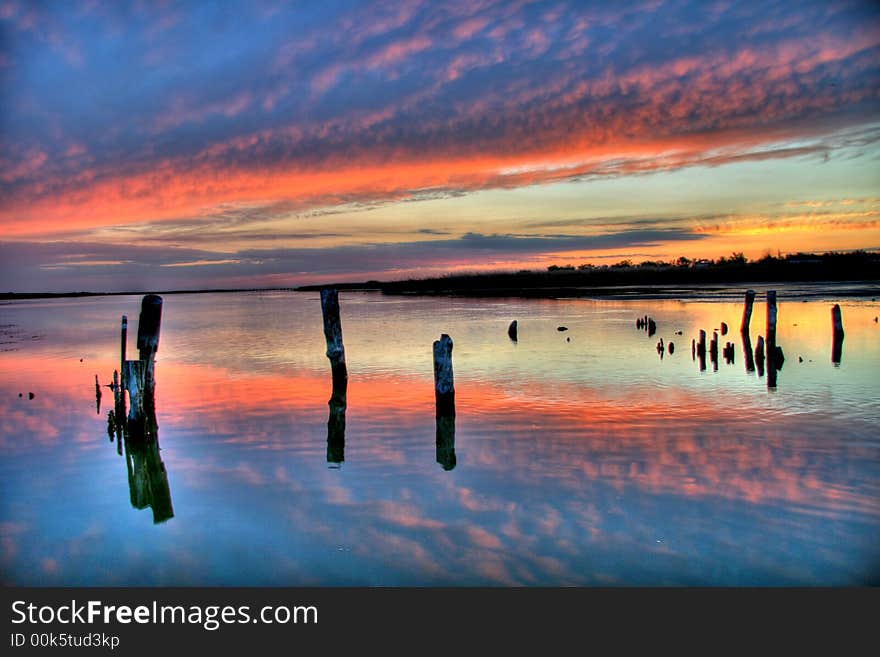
x=771, y=322
x=771, y=339
x=333, y=336
x=747, y=312
x=149, y=324
x=512, y=331
x=836, y=335
x=444, y=386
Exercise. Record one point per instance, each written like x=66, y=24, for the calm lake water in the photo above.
x=580, y=457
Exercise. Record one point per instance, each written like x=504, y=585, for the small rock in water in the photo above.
x=31, y=395
x=800, y=359
x=20, y=395
x=568, y=339
x=671, y=347
x=561, y=328
x=80, y=360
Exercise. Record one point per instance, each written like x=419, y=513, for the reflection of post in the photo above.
x=771, y=339
x=97, y=395
x=336, y=426
x=759, y=355
x=713, y=351
x=134, y=378
x=147, y=478
x=333, y=336
x=148, y=341
x=446, y=441
x=747, y=350
x=837, y=335
x=747, y=312
x=701, y=350
x=444, y=387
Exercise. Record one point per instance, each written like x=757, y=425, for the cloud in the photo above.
x=311, y=107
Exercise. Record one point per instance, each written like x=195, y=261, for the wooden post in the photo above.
x=134, y=377
x=123, y=342
x=118, y=408
x=713, y=351
x=771, y=322
x=444, y=386
x=747, y=312
x=333, y=336
x=701, y=350
x=148, y=340
x=511, y=331
x=837, y=335
x=771, y=339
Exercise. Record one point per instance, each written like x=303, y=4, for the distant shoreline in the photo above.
x=855, y=274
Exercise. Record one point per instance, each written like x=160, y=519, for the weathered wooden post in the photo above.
x=747, y=312
x=837, y=335
x=333, y=336
x=339, y=372
x=118, y=409
x=444, y=395
x=701, y=350
x=771, y=339
x=444, y=386
x=149, y=323
x=713, y=351
x=123, y=341
x=134, y=377
x=512, y=331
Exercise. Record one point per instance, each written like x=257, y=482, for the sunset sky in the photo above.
x=160, y=145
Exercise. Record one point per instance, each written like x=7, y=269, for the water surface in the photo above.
x=580, y=457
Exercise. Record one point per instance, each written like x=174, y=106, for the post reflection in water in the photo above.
x=138, y=435
x=587, y=463
x=147, y=477
x=747, y=351
x=446, y=441
x=336, y=423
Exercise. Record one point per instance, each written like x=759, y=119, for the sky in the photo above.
x=164, y=145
